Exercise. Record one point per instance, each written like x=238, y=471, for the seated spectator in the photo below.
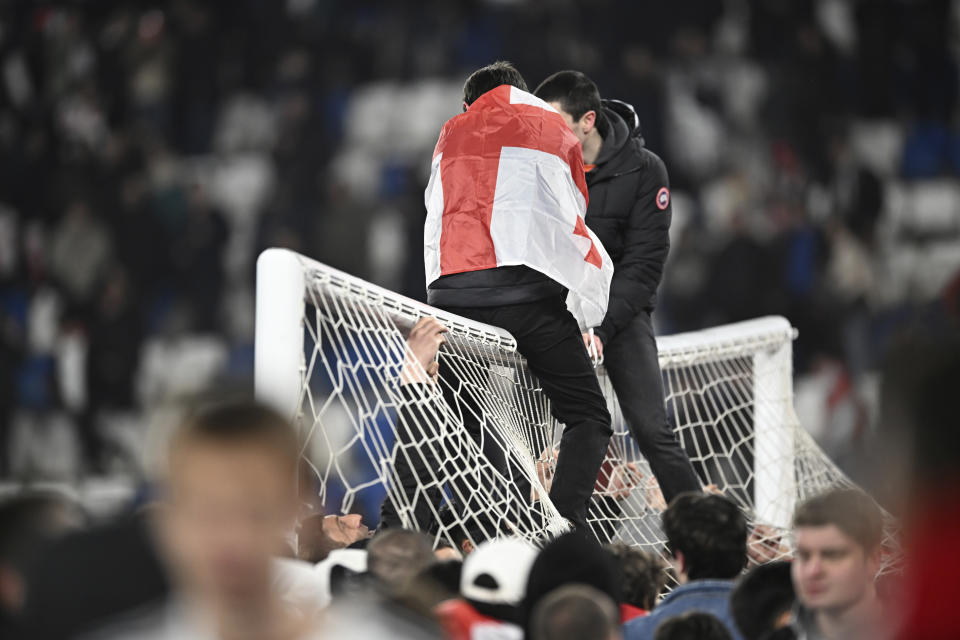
x=396, y=556
x=707, y=539
x=762, y=600
x=694, y=625
x=644, y=577
x=837, y=537
x=570, y=559
x=492, y=585
x=576, y=612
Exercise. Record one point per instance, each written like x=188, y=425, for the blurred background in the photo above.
x=150, y=150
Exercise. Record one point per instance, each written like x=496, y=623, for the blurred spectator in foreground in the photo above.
x=644, y=577
x=576, y=612
x=694, y=625
x=229, y=500
x=837, y=537
x=762, y=600
x=920, y=470
x=707, y=539
x=28, y=522
x=492, y=585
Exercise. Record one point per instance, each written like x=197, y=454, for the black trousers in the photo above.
x=548, y=337
x=632, y=365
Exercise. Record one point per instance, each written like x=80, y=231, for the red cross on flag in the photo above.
x=507, y=188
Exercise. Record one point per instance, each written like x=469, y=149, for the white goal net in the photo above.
x=329, y=349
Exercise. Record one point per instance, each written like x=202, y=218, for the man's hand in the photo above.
x=594, y=346
x=424, y=342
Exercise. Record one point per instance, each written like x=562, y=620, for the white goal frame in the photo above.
x=282, y=289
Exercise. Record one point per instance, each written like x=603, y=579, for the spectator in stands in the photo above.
x=762, y=600
x=707, y=540
x=395, y=557
x=694, y=625
x=838, y=538
x=570, y=559
x=576, y=612
x=28, y=522
x=492, y=587
x=644, y=577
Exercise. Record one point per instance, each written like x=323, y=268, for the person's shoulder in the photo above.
x=641, y=628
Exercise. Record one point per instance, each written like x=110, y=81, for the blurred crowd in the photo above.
x=211, y=557
x=150, y=150
x=228, y=545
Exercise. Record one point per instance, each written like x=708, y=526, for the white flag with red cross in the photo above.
x=507, y=188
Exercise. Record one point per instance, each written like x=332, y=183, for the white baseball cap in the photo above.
x=496, y=572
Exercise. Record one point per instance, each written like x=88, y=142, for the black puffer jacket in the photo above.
x=629, y=211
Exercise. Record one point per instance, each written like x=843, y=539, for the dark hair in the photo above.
x=575, y=612
x=571, y=558
x=760, y=598
x=710, y=531
x=575, y=92
x=239, y=422
x=850, y=510
x=396, y=556
x=490, y=77
x=695, y=624
x=644, y=575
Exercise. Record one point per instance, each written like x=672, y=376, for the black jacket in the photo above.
x=629, y=211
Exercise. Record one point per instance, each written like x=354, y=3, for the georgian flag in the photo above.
x=507, y=188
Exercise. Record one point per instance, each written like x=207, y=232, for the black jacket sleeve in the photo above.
x=646, y=245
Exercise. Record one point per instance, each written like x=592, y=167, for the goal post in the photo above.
x=329, y=348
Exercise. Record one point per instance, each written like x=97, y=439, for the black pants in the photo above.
x=548, y=337
x=632, y=365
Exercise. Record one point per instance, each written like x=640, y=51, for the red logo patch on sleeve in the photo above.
x=663, y=198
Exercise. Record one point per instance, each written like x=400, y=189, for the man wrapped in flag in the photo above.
x=505, y=244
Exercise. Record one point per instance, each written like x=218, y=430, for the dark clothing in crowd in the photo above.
x=88, y=578
x=630, y=212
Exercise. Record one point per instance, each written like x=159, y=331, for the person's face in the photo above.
x=582, y=127
x=830, y=570
x=345, y=529
x=228, y=509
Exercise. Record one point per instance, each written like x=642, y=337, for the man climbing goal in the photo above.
x=505, y=244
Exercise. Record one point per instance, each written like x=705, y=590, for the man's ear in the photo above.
x=588, y=121
x=680, y=562
x=465, y=106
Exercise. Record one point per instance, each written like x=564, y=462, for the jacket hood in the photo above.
x=621, y=124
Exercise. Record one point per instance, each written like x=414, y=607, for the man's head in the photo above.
x=569, y=559
x=695, y=624
x=490, y=77
x=494, y=577
x=396, y=556
x=762, y=599
x=229, y=499
x=837, y=537
x=644, y=575
x=576, y=612
x=707, y=536
x=577, y=99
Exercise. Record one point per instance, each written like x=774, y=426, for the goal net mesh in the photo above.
x=728, y=397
